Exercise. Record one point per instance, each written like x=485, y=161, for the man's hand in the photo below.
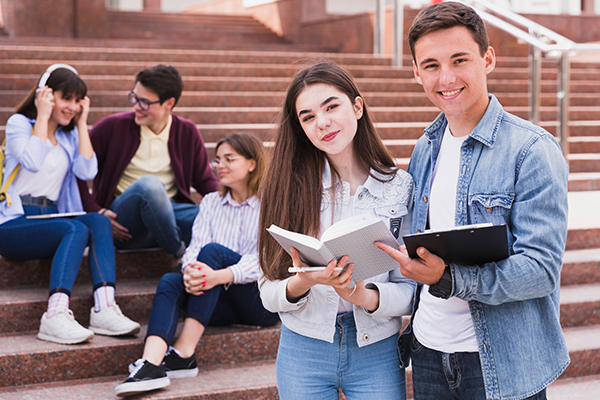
x=427, y=269
x=119, y=231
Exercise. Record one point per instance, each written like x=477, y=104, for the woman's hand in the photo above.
x=44, y=103
x=86, y=149
x=360, y=296
x=301, y=283
x=199, y=276
x=82, y=115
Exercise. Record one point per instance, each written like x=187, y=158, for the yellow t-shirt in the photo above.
x=151, y=158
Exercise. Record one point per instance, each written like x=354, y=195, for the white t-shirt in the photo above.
x=445, y=325
x=48, y=180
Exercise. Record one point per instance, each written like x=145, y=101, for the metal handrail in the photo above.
x=540, y=39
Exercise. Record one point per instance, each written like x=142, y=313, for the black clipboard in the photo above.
x=464, y=245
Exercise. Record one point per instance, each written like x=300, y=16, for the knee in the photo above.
x=99, y=221
x=78, y=229
x=76, y=232
x=170, y=283
x=149, y=186
x=211, y=250
x=215, y=255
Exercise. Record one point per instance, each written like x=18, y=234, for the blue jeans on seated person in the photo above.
x=153, y=219
x=310, y=368
x=443, y=376
x=63, y=239
x=239, y=304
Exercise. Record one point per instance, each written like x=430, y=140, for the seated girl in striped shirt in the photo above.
x=220, y=269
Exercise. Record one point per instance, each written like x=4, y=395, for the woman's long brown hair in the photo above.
x=291, y=189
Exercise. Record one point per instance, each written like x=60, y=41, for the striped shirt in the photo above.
x=224, y=221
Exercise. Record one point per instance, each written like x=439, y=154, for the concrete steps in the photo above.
x=29, y=369
x=244, y=381
x=26, y=355
x=580, y=388
x=190, y=27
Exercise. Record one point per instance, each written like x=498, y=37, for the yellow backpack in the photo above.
x=13, y=174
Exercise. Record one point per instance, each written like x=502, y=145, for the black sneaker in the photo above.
x=144, y=377
x=178, y=367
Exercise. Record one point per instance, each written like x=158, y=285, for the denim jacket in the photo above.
x=22, y=147
x=511, y=172
x=314, y=315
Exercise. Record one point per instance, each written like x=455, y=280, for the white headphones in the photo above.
x=52, y=68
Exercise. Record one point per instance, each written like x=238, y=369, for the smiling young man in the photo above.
x=488, y=331
x=148, y=160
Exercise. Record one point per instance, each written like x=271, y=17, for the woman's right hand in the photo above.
x=44, y=103
x=299, y=284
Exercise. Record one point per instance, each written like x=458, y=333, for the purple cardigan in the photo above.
x=116, y=139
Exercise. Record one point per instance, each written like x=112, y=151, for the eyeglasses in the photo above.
x=144, y=104
x=214, y=163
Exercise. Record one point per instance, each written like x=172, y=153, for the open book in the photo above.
x=353, y=237
x=465, y=245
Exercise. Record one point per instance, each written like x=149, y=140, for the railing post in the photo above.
x=564, y=73
x=398, y=32
x=535, y=85
x=379, y=34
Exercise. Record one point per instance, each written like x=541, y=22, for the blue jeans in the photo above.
x=309, y=368
x=152, y=218
x=443, y=376
x=63, y=239
x=239, y=304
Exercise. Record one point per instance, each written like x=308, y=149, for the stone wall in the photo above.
x=54, y=18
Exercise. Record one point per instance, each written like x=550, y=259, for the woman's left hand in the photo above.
x=198, y=277
x=84, y=111
x=360, y=295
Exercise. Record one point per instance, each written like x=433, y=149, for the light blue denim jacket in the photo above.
x=511, y=172
x=315, y=314
x=22, y=147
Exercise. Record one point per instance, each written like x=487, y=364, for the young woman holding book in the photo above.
x=47, y=143
x=220, y=269
x=329, y=164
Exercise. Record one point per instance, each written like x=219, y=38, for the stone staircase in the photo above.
x=218, y=30
x=241, y=90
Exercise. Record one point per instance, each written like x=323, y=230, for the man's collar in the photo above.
x=485, y=131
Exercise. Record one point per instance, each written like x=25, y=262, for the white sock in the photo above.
x=171, y=348
x=104, y=297
x=58, y=302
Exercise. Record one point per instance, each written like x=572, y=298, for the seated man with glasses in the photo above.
x=148, y=160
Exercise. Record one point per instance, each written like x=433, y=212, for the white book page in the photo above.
x=311, y=250
x=348, y=225
x=360, y=247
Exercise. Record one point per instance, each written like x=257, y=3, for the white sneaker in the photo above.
x=62, y=328
x=112, y=322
